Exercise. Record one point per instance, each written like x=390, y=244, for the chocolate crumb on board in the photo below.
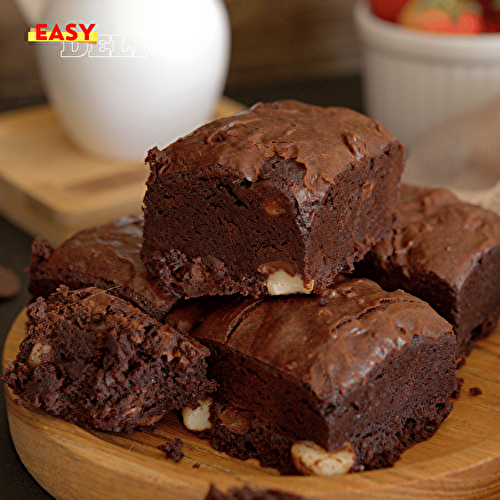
x=196, y=465
x=173, y=450
x=475, y=391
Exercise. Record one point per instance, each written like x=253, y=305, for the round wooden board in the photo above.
x=461, y=461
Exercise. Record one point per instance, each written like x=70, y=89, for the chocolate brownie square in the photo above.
x=275, y=200
x=98, y=362
x=107, y=257
x=322, y=384
x=447, y=252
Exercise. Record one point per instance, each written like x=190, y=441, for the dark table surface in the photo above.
x=15, y=481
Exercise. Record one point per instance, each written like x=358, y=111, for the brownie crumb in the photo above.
x=475, y=391
x=173, y=450
x=196, y=465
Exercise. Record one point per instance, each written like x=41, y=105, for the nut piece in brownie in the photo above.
x=322, y=384
x=447, y=252
x=274, y=200
x=106, y=256
x=98, y=362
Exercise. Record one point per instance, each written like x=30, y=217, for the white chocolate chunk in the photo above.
x=281, y=283
x=198, y=420
x=312, y=460
x=35, y=357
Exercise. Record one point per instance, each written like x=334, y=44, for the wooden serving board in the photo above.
x=461, y=461
x=49, y=188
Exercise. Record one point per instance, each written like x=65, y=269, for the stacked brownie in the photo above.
x=249, y=204
x=352, y=375
x=99, y=355
x=446, y=252
x=97, y=361
x=106, y=257
x=232, y=299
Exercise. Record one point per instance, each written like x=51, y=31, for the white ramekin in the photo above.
x=413, y=80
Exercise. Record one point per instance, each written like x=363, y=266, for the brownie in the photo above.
x=275, y=200
x=98, y=362
x=354, y=370
x=447, y=252
x=106, y=256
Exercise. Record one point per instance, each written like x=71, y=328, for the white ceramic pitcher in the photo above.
x=156, y=72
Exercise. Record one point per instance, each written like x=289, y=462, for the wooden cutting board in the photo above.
x=461, y=461
x=49, y=188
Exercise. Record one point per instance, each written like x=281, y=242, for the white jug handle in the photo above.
x=32, y=10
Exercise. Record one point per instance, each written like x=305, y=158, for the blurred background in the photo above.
x=306, y=50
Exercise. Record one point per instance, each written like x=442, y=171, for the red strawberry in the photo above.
x=387, y=9
x=443, y=16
